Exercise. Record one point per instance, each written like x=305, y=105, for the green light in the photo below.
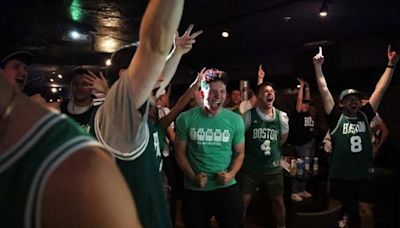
x=75, y=10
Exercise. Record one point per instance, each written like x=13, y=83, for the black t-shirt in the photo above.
x=82, y=119
x=302, y=128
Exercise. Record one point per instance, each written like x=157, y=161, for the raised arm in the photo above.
x=166, y=120
x=261, y=75
x=183, y=45
x=326, y=96
x=384, y=81
x=306, y=91
x=299, y=100
x=260, y=79
x=157, y=29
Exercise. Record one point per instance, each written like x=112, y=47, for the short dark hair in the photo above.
x=77, y=72
x=262, y=85
x=120, y=60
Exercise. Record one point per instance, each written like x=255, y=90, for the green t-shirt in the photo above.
x=209, y=143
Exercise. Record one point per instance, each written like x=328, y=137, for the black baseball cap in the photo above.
x=23, y=56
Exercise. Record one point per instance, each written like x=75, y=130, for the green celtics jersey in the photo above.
x=141, y=171
x=262, y=152
x=351, y=148
x=143, y=177
x=26, y=167
x=209, y=143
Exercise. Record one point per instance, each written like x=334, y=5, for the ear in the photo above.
x=202, y=94
x=121, y=72
x=341, y=104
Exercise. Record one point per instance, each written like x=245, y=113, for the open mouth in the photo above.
x=20, y=80
x=216, y=104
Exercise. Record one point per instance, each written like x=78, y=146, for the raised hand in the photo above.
x=261, y=73
x=185, y=42
x=98, y=84
x=393, y=56
x=301, y=81
x=200, y=77
x=318, y=59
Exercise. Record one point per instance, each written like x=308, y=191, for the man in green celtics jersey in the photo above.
x=266, y=130
x=209, y=146
x=121, y=123
x=351, y=169
x=52, y=174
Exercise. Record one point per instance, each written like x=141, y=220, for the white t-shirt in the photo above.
x=119, y=125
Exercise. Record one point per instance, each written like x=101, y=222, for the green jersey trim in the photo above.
x=11, y=156
x=35, y=196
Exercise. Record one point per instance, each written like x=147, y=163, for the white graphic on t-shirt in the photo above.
x=200, y=134
x=218, y=135
x=193, y=134
x=210, y=136
x=308, y=121
x=225, y=136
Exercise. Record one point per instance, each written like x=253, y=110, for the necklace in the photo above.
x=8, y=110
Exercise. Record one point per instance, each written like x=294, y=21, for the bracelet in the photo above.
x=390, y=66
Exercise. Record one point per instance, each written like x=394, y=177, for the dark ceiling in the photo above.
x=280, y=34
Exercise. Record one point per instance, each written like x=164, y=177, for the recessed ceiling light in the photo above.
x=74, y=35
x=51, y=80
x=323, y=12
x=225, y=34
x=108, y=62
x=53, y=90
x=59, y=76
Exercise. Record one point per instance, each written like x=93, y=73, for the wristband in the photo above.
x=390, y=66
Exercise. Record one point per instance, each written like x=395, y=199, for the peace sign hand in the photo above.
x=185, y=42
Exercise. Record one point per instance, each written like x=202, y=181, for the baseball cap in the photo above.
x=23, y=56
x=347, y=92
